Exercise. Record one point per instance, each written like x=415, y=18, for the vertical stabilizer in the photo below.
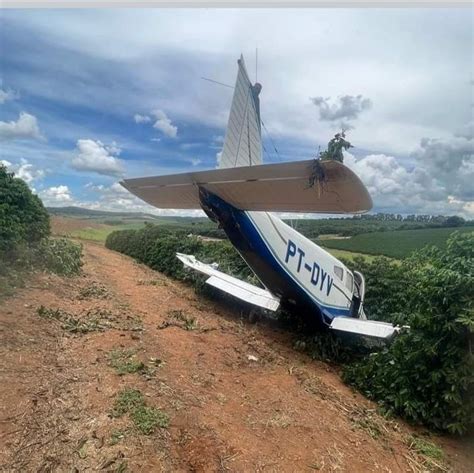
x=243, y=140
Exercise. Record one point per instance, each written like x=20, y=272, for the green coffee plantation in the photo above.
x=394, y=244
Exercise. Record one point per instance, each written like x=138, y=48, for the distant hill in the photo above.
x=107, y=216
x=89, y=213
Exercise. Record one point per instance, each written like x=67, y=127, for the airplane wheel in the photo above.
x=254, y=316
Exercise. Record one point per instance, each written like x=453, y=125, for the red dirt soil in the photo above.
x=281, y=413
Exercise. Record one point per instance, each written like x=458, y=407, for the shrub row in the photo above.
x=23, y=218
x=425, y=375
x=156, y=247
x=25, y=244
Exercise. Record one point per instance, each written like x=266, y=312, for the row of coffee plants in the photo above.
x=25, y=243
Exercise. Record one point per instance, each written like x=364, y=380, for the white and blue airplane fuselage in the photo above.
x=289, y=265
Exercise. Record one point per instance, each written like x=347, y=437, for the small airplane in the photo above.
x=295, y=272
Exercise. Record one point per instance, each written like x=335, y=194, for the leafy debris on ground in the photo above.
x=178, y=318
x=93, y=320
x=94, y=291
x=146, y=418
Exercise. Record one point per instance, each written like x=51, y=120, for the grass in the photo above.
x=425, y=448
x=100, y=234
x=425, y=455
x=349, y=255
x=125, y=362
x=394, y=244
x=146, y=418
x=127, y=400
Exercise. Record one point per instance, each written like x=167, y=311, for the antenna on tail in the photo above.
x=216, y=82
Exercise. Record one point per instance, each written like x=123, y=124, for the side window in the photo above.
x=339, y=272
x=349, y=281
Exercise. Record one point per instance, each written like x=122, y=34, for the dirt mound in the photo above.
x=162, y=380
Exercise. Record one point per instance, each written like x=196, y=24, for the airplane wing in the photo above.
x=237, y=288
x=281, y=187
x=262, y=298
x=366, y=328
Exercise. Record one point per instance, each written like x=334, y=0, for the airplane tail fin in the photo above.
x=243, y=138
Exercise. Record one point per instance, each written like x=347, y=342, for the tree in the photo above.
x=23, y=218
x=454, y=221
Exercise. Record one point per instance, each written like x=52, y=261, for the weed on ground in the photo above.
x=178, y=318
x=127, y=400
x=116, y=436
x=145, y=418
x=126, y=362
x=425, y=455
x=152, y=282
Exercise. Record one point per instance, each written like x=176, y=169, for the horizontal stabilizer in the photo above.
x=237, y=288
x=299, y=186
x=367, y=328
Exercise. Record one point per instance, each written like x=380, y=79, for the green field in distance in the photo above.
x=394, y=244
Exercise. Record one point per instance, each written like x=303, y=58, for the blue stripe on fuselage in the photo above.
x=246, y=237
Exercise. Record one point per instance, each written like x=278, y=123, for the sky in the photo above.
x=88, y=97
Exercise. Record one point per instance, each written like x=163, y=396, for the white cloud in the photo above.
x=451, y=162
x=25, y=170
x=217, y=142
x=342, y=110
x=439, y=181
x=218, y=158
x=58, y=195
x=6, y=95
x=94, y=156
x=404, y=82
x=26, y=127
x=188, y=146
x=117, y=198
x=141, y=118
x=163, y=123
x=195, y=161
x=28, y=172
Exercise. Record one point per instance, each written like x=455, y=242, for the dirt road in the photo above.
x=238, y=396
